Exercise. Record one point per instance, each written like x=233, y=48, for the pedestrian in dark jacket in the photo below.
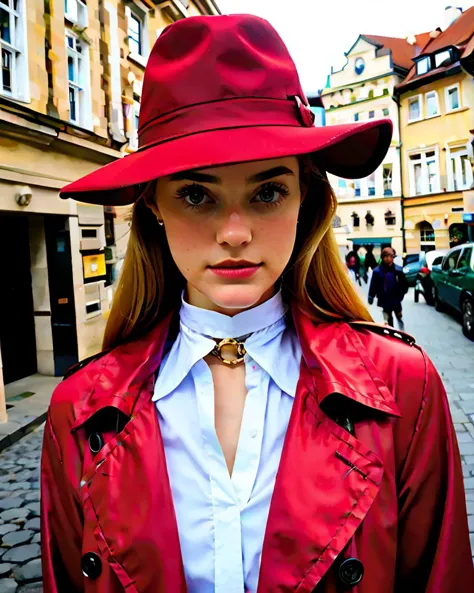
x=389, y=285
x=370, y=262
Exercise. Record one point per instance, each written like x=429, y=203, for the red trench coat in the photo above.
x=391, y=496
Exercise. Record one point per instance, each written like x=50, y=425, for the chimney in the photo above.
x=451, y=14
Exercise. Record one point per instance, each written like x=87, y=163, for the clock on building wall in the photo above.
x=359, y=65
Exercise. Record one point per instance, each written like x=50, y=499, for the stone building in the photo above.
x=369, y=210
x=70, y=88
x=436, y=113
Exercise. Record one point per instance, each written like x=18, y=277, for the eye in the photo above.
x=271, y=193
x=193, y=195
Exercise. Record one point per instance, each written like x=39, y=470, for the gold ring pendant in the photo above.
x=229, y=351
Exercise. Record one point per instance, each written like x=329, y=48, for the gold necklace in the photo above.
x=230, y=351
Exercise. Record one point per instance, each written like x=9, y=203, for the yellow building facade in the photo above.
x=436, y=116
x=70, y=89
x=369, y=210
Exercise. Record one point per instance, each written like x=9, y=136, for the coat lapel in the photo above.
x=327, y=479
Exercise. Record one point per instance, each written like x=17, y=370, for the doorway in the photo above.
x=17, y=322
x=61, y=291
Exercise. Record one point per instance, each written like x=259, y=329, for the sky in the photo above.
x=318, y=32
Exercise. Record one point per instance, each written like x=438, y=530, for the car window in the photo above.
x=465, y=259
x=437, y=260
x=451, y=260
x=411, y=258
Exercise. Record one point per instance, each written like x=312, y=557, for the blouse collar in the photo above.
x=217, y=325
x=266, y=323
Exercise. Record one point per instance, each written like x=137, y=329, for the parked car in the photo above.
x=412, y=264
x=454, y=285
x=423, y=282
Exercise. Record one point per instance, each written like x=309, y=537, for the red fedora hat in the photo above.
x=220, y=90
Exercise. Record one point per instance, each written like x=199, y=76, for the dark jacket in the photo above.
x=389, y=295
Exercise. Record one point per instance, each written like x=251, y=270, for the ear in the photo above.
x=150, y=200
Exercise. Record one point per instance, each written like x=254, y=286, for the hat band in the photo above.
x=225, y=114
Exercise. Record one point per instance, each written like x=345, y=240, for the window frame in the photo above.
x=447, y=99
x=423, y=162
x=387, y=191
x=411, y=100
x=455, y=177
x=17, y=48
x=439, y=53
x=423, y=59
x=82, y=87
x=81, y=15
x=438, y=110
x=137, y=11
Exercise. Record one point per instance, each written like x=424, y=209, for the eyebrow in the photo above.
x=206, y=178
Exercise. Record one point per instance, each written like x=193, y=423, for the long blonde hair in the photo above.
x=150, y=284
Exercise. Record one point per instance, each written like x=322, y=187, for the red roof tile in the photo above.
x=458, y=34
x=402, y=51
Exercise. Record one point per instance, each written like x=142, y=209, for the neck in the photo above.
x=198, y=299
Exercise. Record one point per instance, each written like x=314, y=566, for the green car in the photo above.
x=453, y=283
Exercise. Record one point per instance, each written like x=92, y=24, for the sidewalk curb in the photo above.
x=15, y=436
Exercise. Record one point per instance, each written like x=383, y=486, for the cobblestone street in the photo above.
x=20, y=566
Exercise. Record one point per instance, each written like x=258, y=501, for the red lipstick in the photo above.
x=231, y=268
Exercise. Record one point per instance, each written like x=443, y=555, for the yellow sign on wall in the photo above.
x=94, y=265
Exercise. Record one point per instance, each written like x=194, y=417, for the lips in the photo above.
x=235, y=268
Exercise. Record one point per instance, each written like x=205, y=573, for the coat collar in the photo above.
x=337, y=360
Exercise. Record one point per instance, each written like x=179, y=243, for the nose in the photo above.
x=234, y=230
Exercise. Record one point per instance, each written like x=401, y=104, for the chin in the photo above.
x=235, y=296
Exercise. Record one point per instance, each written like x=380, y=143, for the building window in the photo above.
x=137, y=33
x=390, y=218
x=443, y=58
x=357, y=188
x=369, y=219
x=414, y=109
x=387, y=180
x=453, y=98
x=432, y=104
x=371, y=184
x=371, y=94
x=424, y=173
x=14, y=75
x=336, y=222
x=75, y=11
x=371, y=114
x=423, y=65
x=356, y=117
x=355, y=220
x=386, y=111
x=459, y=169
x=427, y=236
x=78, y=81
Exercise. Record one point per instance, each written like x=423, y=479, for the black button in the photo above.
x=91, y=565
x=95, y=442
x=351, y=572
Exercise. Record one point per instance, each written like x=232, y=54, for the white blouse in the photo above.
x=222, y=519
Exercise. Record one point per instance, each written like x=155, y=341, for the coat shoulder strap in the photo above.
x=384, y=330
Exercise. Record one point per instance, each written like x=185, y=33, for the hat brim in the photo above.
x=351, y=151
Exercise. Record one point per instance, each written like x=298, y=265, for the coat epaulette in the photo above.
x=385, y=330
x=83, y=363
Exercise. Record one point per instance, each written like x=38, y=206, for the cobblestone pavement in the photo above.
x=439, y=333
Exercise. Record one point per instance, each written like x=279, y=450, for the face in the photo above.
x=388, y=258
x=231, y=229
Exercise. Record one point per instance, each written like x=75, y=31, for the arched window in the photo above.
x=336, y=222
x=427, y=236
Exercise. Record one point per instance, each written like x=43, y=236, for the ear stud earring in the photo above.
x=160, y=222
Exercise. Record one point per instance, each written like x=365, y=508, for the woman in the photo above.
x=245, y=428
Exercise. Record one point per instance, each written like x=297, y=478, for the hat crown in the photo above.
x=213, y=58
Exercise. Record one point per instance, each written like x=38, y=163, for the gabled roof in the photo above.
x=402, y=51
x=459, y=35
